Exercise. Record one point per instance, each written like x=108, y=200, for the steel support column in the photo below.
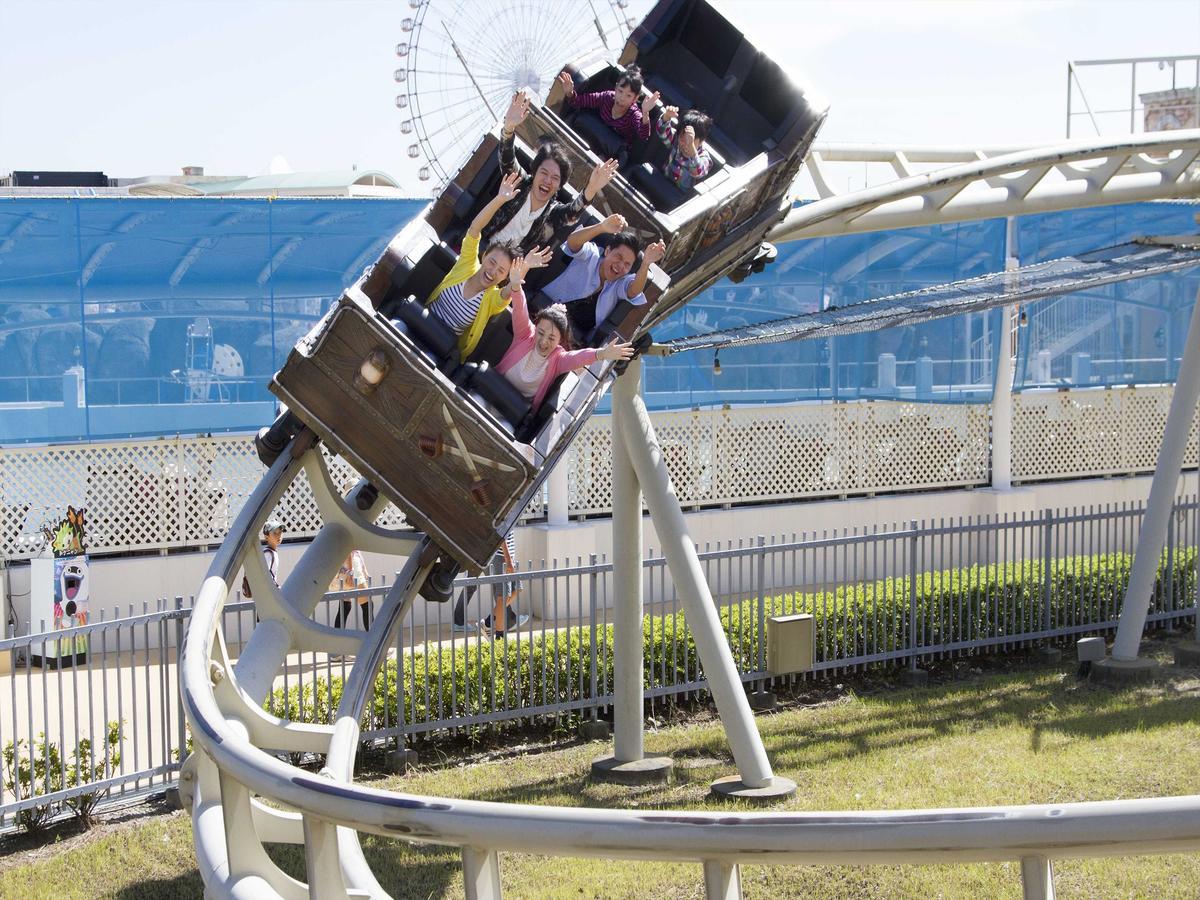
x=1162, y=496
x=724, y=682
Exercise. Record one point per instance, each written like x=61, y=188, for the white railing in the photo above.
x=227, y=780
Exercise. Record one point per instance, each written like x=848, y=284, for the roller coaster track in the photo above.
x=1045, y=179
x=234, y=767
x=242, y=794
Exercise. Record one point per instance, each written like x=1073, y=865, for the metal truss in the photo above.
x=1044, y=179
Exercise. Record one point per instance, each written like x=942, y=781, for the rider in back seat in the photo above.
x=688, y=161
x=617, y=109
x=469, y=295
x=533, y=216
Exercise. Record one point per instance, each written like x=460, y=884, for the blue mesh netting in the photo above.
x=173, y=314
x=124, y=317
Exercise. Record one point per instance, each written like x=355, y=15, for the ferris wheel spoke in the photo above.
x=467, y=56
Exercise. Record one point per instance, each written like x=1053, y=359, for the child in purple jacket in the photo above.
x=618, y=108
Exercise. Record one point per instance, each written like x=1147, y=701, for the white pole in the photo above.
x=628, y=652
x=1002, y=391
x=1162, y=495
x=688, y=576
x=556, y=494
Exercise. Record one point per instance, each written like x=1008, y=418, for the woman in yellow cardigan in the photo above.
x=470, y=293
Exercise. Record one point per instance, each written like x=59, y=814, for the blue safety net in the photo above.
x=952, y=360
x=134, y=316
x=1129, y=333
x=128, y=316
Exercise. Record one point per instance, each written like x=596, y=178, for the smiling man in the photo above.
x=595, y=282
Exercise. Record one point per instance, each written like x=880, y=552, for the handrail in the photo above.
x=1032, y=834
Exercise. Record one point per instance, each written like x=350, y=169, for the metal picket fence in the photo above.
x=895, y=596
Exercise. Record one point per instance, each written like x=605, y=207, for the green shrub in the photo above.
x=85, y=769
x=43, y=771
x=32, y=769
x=972, y=604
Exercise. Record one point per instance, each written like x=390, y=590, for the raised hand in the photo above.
x=687, y=141
x=508, y=186
x=517, y=271
x=670, y=113
x=538, y=257
x=648, y=103
x=655, y=252
x=613, y=224
x=567, y=82
x=600, y=177
x=618, y=349
x=518, y=109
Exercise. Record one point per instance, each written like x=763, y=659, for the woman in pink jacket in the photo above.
x=540, y=350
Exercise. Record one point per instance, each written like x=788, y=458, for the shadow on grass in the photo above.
x=1042, y=703
x=186, y=885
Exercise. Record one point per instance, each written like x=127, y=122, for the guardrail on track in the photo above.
x=129, y=673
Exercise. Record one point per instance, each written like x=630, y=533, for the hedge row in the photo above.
x=975, y=603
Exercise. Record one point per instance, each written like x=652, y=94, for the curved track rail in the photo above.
x=1072, y=175
x=234, y=766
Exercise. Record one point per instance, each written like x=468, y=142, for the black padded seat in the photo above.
x=657, y=187
x=537, y=419
x=497, y=337
x=429, y=333
x=498, y=391
x=418, y=280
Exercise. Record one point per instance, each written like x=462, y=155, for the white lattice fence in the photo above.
x=1067, y=434
x=151, y=495
x=185, y=492
x=768, y=453
x=145, y=495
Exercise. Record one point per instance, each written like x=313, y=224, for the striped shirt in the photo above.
x=454, y=309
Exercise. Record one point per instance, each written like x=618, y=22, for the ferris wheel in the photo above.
x=461, y=61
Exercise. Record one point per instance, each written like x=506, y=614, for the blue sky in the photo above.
x=137, y=87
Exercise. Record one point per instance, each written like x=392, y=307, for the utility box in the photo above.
x=790, y=643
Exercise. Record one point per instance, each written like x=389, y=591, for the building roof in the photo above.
x=353, y=183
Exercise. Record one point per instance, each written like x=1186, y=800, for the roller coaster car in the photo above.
x=451, y=441
x=763, y=127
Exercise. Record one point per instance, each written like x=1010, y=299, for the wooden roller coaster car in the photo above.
x=452, y=443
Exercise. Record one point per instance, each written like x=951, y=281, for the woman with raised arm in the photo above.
x=541, y=346
x=533, y=217
x=470, y=293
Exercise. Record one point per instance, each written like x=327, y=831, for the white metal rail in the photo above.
x=234, y=766
x=1044, y=179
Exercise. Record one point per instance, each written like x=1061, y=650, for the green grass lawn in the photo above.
x=1025, y=737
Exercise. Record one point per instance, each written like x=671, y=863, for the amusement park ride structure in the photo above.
x=385, y=397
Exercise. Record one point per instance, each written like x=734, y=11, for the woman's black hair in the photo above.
x=632, y=76
x=550, y=150
x=511, y=249
x=556, y=315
